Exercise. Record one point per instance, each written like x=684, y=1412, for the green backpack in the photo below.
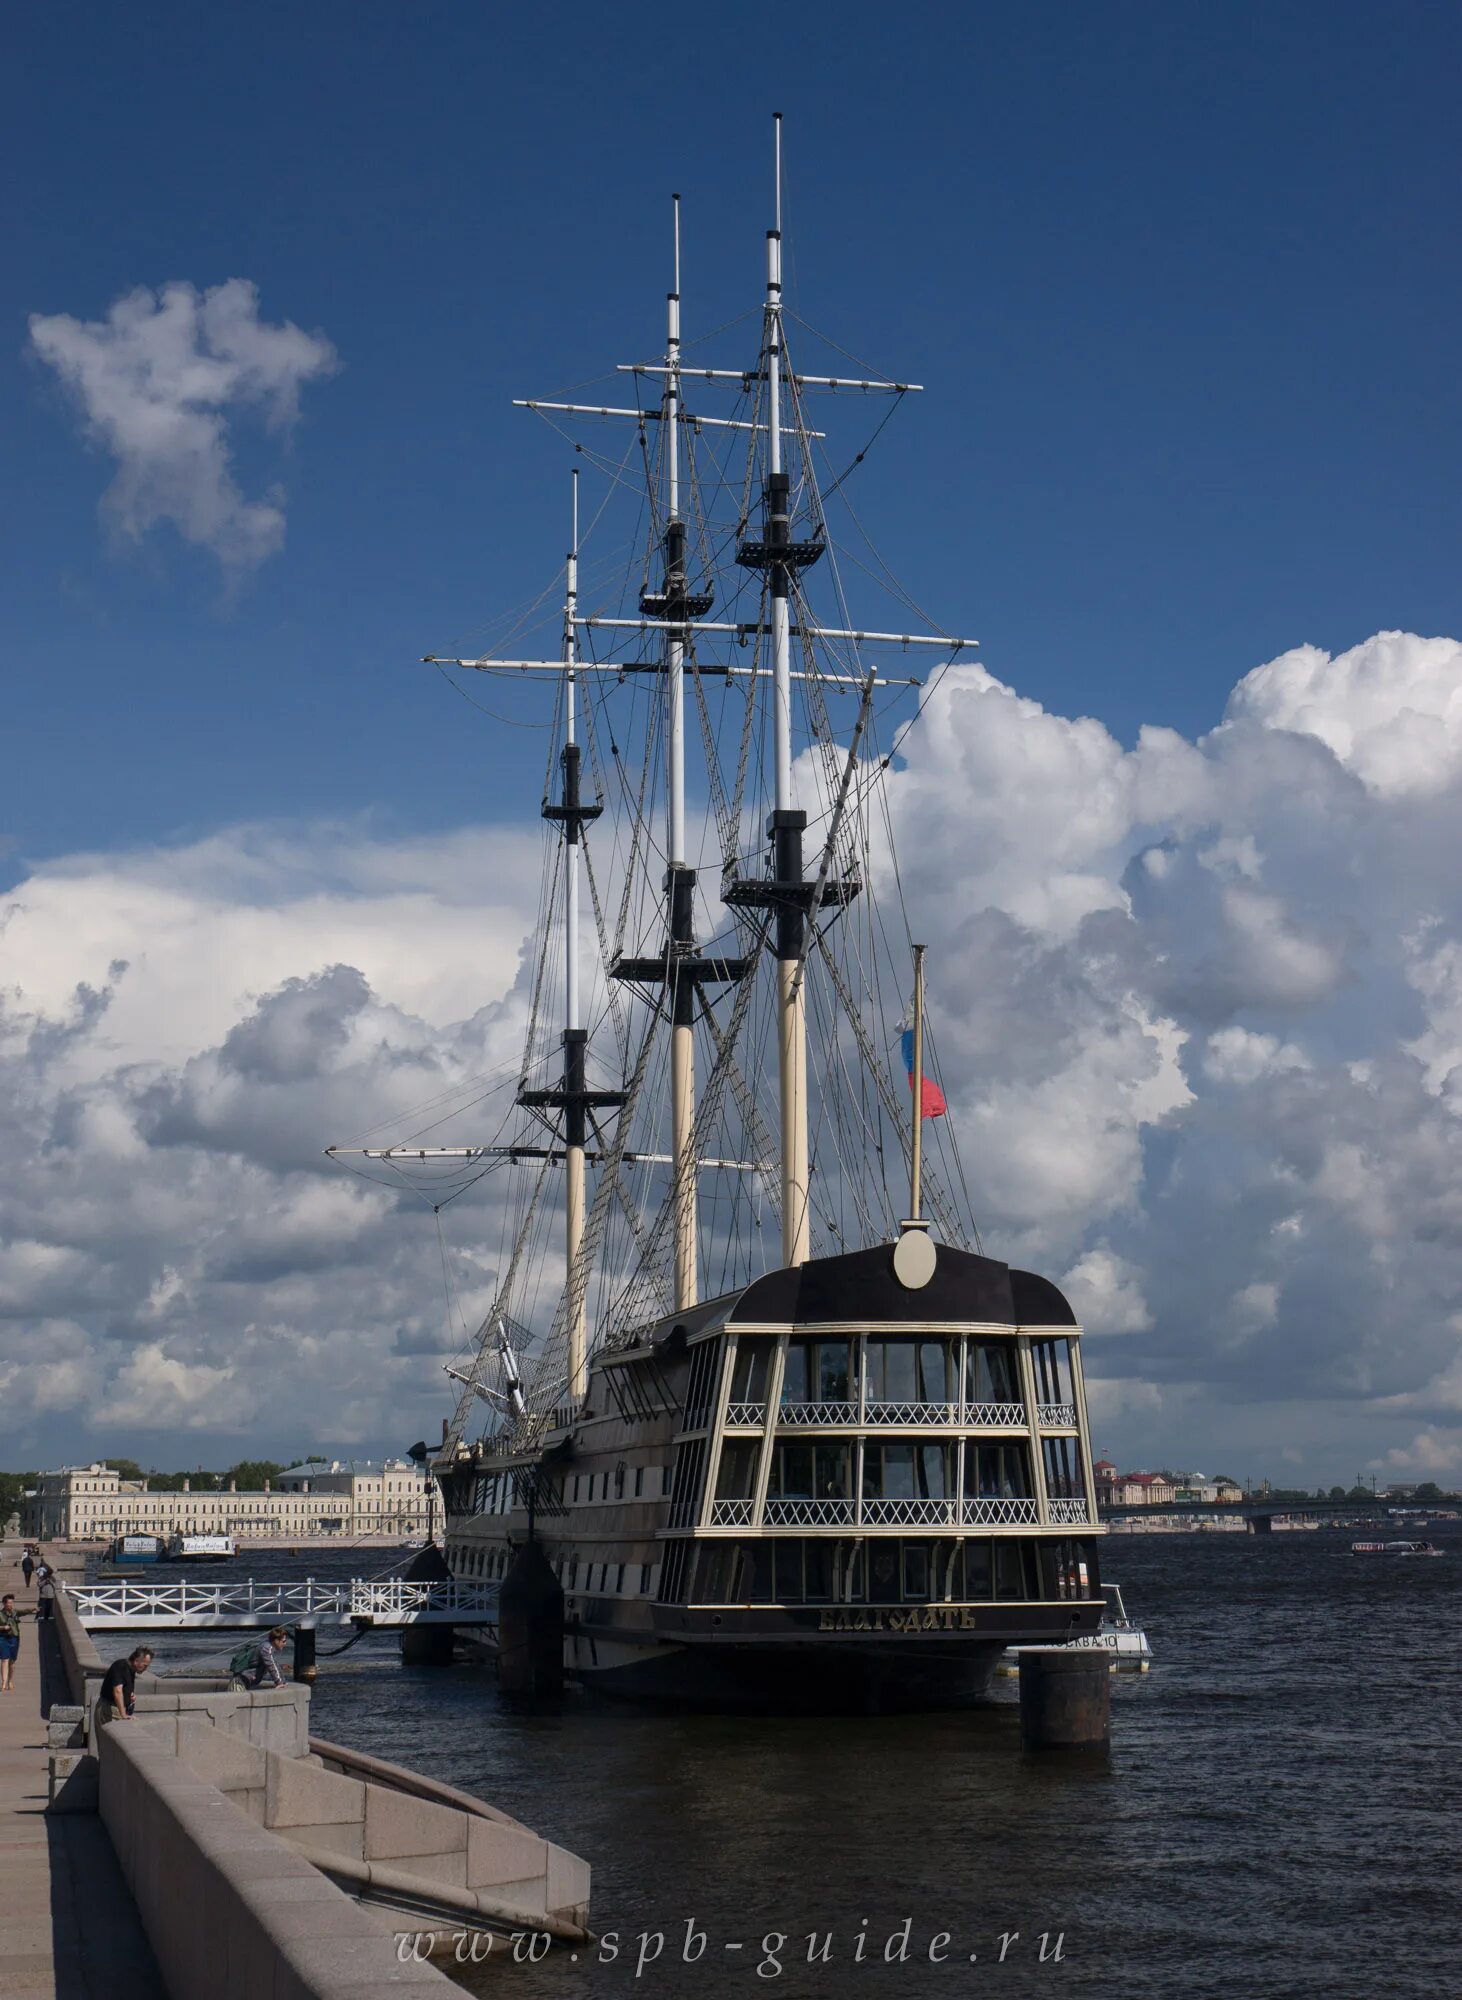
x=243, y=1659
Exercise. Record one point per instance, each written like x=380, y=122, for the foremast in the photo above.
x=572, y=1096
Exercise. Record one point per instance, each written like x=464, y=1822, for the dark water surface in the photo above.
x=1277, y=1816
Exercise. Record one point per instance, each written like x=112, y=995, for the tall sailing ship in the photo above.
x=780, y=1430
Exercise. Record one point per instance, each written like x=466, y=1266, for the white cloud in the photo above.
x=1198, y=1009
x=1106, y=1293
x=159, y=381
x=1390, y=709
x=1238, y=1055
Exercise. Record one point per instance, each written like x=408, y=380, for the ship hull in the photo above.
x=845, y=1677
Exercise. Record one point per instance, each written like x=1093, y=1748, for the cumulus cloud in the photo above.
x=179, y=1258
x=1197, y=1007
x=159, y=382
x=1202, y=1005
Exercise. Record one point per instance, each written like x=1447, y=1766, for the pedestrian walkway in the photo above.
x=68, y=1928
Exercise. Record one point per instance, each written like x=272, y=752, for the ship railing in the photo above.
x=910, y=1513
x=911, y=1413
x=1056, y=1416
x=988, y=1511
x=1002, y=1416
x=1070, y=1513
x=811, y=1513
x=732, y=1513
x=877, y=1413
x=818, y=1413
x=743, y=1414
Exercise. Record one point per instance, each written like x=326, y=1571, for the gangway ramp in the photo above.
x=248, y=1605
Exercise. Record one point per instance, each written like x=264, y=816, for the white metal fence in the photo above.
x=248, y=1603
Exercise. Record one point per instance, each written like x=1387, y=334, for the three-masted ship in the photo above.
x=785, y=1434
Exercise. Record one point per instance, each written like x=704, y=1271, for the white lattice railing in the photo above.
x=1069, y=1513
x=911, y=1413
x=1002, y=1415
x=811, y=1513
x=818, y=1413
x=732, y=1513
x=989, y=1512
x=910, y=1513
x=1057, y=1416
x=250, y=1603
x=746, y=1413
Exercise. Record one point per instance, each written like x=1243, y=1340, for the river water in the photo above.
x=1277, y=1815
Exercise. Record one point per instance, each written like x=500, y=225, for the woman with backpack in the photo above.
x=257, y=1665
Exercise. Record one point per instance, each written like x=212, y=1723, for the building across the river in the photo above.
x=351, y=1498
x=1157, y=1489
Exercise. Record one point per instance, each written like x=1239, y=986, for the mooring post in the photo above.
x=530, y=1627
x=1065, y=1700
x=304, y=1652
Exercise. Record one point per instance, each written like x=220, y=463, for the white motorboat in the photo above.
x=1394, y=1549
x=1117, y=1635
x=201, y=1548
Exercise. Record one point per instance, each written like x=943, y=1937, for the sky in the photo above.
x=1182, y=285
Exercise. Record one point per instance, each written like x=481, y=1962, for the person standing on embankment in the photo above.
x=9, y=1641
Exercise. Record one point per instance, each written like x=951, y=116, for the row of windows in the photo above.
x=597, y=1579
x=900, y=1371
x=499, y=1494
x=625, y=1482
x=479, y=1561
x=897, y=1469
x=971, y=1570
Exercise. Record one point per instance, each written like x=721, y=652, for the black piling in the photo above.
x=304, y=1652
x=1065, y=1700
x=428, y=1645
x=530, y=1627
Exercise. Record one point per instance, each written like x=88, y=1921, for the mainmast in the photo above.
x=788, y=825
x=786, y=892
x=682, y=971
x=679, y=878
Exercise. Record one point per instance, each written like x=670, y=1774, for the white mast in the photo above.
x=787, y=823
x=679, y=880
x=571, y=1018
x=675, y=677
x=578, y=1346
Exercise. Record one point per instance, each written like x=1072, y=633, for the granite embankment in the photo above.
x=258, y=1860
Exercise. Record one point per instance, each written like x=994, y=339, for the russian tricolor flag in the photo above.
x=933, y=1104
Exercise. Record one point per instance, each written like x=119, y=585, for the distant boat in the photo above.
x=131, y=1549
x=201, y=1548
x=1394, y=1549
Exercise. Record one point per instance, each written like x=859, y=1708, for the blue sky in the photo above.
x=1182, y=282
x=1183, y=285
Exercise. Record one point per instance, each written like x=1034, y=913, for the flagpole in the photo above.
x=916, y=1157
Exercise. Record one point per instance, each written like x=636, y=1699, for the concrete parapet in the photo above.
x=228, y=1908
x=270, y=1718
x=454, y=1852
x=82, y=1662
x=377, y=1771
